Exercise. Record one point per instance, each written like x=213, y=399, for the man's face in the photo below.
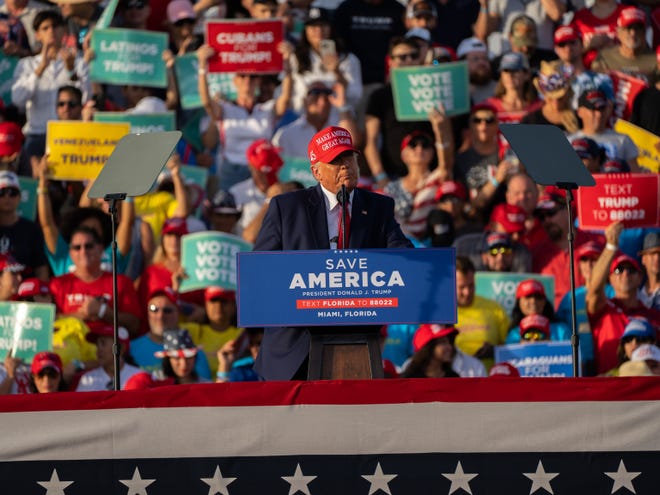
x=48, y=34
x=464, y=289
x=10, y=197
x=555, y=223
x=163, y=315
x=651, y=262
x=593, y=120
x=404, y=55
x=69, y=106
x=136, y=16
x=263, y=11
x=569, y=51
x=317, y=101
x=479, y=69
x=521, y=191
x=85, y=252
x=484, y=126
x=586, y=265
x=631, y=37
x=625, y=280
x=498, y=259
x=342, y=170
x=104, y=350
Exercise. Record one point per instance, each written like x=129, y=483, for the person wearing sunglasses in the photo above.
x=632, y=54
x=21, y=238
x=609, y=316
x=637, y=333
x=531, y=300
x=86, y=293
x=46, y=374
x=498, y=252
x=163, y=310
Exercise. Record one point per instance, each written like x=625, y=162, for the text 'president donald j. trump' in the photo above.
x=311, y=219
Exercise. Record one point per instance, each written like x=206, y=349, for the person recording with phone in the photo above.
x=331, y=215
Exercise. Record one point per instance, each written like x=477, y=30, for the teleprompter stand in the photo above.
x=130, y=171
x=550, y=160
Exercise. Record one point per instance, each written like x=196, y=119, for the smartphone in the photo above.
x=327, y=47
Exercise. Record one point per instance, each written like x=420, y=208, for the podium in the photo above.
x=351, y=356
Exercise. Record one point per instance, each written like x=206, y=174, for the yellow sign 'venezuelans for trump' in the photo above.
x=78, y=150
x=647, y=143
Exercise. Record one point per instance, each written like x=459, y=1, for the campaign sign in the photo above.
x=538, y=358
x=501, y=287
x=346, y=287
x=185, y=70
x=245, y=45
x=631, y=198
x=128, y=56
x=209, y=258
x=142, y=123
x=107, y=15
x=78, y=150
x=26, y=329
x=418, y=90
x=199, y=176
x=296, y=169
x=27, y=208
x=647, y=143
x=626, y=89
x=7, y=67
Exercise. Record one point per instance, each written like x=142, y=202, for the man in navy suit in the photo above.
x=309, y=219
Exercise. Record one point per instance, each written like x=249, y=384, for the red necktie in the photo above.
x=341, y=244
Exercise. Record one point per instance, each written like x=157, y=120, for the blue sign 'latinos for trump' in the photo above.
x=349, y=287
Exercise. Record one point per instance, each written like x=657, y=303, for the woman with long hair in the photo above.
x=46, y=374
x=531, y=300
x=554, y=84
x=179, y=355
x=514, y=95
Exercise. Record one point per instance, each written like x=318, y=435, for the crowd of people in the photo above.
x=454, y=179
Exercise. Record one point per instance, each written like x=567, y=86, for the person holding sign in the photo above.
x=532, y=301
x=609, y=316
x=237, y=124
x=309, y=219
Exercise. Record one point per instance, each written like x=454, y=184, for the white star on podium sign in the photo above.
x=299, y=481
x=623, y=478
x=218, y=484
x=459, y=479
x=541, y=479
x=136, y=485
x=379, y=480
x=54, y=486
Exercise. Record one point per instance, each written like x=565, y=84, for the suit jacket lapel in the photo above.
x=318, y=218
x=359, y=220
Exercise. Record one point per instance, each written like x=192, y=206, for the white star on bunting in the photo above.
x=541, y=479
x=459, y=479
x=54, y=486
x=299, y=482
x=379, y=480
x=218, y=484
x=623, y=478
x=136, y=485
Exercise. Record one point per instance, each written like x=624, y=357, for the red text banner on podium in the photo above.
x=630, y=198
x=346, y=287
x=482, y=436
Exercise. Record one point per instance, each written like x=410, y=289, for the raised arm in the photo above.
x=44, y=206
x=595, y=298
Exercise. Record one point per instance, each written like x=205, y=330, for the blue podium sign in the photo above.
x=553, y=358
x=350, y=287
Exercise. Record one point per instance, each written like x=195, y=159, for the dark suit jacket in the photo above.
x=298, y=221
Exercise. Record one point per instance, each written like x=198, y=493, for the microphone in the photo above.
x=343, y=200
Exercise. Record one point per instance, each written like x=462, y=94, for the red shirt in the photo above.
x=607, y=327
x=69, y=292
x=589, y=25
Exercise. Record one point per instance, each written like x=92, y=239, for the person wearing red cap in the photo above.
x=632, y=55
x=11, y=141
x=46, y=373
x=452, y=197
x=86, y=293
x=10, y=277
x=436, y=355
x=221, y=327
x=570, y=50
x=309, y=219
x=237, y=124
x=609, y=316
x=596, y=25
x=531, y=300
x=101, y=378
